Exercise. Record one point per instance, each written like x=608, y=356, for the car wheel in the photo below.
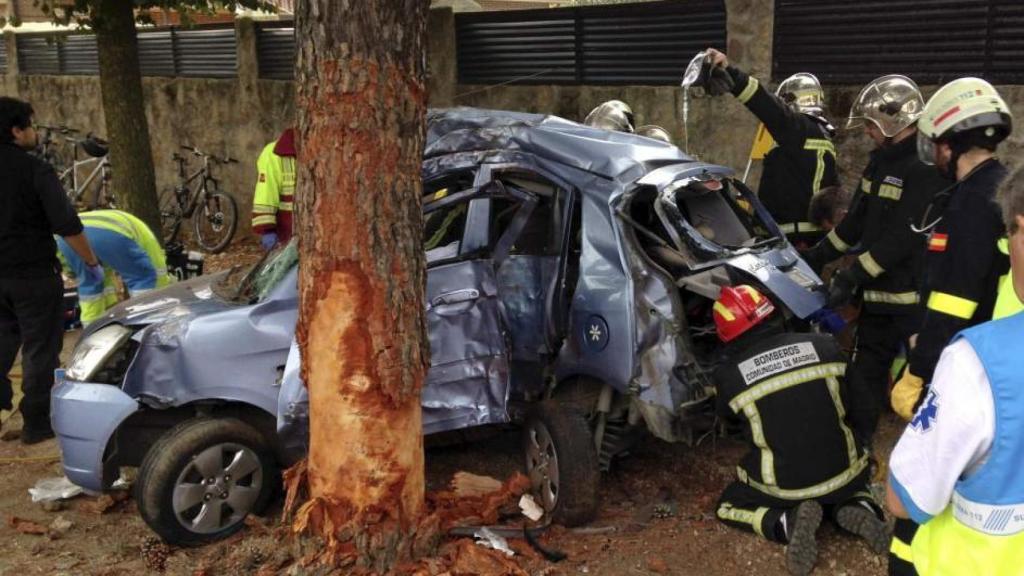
x=202, y=478
x=561, y=463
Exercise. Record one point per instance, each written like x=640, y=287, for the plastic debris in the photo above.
x=489, y=539
x=530, y=508
x=53, y=489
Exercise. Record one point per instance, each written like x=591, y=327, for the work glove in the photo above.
x=906, y=394
x=842, y=288
x=718, y=81
x=268, y=240
x=95, y=273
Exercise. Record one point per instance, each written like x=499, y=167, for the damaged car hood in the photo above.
x=191, y=297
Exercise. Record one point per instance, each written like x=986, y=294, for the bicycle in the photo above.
x=214, y=213
x=100, y=174
x=47, y=149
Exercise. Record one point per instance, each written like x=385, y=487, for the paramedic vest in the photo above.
x=273, y=202
x=982, y=530
x=1007, y=303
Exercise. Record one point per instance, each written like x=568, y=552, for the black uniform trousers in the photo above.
x=880, y=337
x=749, y=509
x=31, y=318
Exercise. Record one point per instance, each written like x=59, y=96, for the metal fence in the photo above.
x=275, y=50
x=932, y=41
x=646, y=43
x=199, y=52
x=3, y=57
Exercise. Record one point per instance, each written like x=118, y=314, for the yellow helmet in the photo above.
x=962, y=105
x=891, y=102
x=802, y=92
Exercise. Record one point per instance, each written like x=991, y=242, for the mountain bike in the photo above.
x=197, y=196
x=97, y=165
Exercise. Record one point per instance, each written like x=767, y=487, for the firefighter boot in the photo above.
x=802, y=551
x=863, y=522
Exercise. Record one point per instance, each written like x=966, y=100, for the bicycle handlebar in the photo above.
x=197, y=152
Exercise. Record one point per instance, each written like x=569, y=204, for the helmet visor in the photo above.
x=925, y=149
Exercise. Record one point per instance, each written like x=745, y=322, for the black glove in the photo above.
x=816, y=257
x=718, y=81
x=842, y=288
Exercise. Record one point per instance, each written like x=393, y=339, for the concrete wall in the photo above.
x=223, y=116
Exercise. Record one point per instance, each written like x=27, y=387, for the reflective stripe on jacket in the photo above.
x=273, y=202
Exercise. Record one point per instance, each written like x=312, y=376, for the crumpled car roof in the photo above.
x=609, y=154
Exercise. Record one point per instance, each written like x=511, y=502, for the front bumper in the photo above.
x=84, y=417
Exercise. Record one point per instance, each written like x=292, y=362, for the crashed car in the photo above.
x=571, y=273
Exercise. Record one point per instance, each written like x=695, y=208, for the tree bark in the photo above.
x=361, y=105
x=133, y=179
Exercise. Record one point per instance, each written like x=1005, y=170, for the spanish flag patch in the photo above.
x=937, y=242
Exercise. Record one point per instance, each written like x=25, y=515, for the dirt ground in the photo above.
x=105, y=536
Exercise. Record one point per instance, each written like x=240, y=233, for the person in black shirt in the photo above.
x=788, y=392
x=33, y=207
x=804, y=160
x=895, y=188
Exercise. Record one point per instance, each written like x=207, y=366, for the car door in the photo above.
x=468, y=381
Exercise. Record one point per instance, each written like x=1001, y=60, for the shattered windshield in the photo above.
x=254, y=283
x=716, y=211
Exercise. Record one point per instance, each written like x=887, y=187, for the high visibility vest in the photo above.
x=1007, y=302
x=273, y=201
x=982, y=530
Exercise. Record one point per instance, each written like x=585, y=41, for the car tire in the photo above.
x=561, y=462
x=185, y=490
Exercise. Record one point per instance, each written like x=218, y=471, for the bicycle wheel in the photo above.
x=214, y=222
x=170, y=215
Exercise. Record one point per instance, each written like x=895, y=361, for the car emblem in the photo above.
x=595, y=333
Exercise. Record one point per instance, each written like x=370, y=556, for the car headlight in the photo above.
x=92, y=353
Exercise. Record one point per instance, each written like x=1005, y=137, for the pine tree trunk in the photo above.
x=361, y=105
x=133, y=179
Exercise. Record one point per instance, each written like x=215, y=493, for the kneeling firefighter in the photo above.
x=789, y=393
x=125, y=246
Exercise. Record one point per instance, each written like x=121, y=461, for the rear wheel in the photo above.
x=202, y=478
x=170, y=215
x=561, y=462
x=214, y=222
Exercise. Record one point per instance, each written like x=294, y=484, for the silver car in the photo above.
x=571, y=275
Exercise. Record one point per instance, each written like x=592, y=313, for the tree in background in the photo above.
x=113, y=21
x=361, y=105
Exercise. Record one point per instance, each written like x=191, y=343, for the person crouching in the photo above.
x=788, y=392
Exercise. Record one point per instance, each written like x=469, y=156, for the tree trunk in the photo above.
x=361, y=105
x=133, y=179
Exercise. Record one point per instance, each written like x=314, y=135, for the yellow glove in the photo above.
x=905, y=394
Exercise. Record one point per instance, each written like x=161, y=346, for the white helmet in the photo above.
x=611, y=115
x=891, y=102
x=962, y=105
x=802, y=92
x=656, y=132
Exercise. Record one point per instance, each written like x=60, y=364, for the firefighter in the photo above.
x=959, y=130
x=125, y=246
x=828, y=208
x=788, y=391
x=956, y=470
x=895, y=188
x=804, y=158
x=613, y=115
x=273, y=202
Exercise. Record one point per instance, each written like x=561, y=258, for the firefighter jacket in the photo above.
x=790, y=392
x=963, y=264
x=803, y=161
x=893, y=193
x=274, y=199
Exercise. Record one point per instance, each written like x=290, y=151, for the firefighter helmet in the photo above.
x=962, y=105
x=656, y=132
x=739, y=309
x=611, y=115
x=891, y=102
x=802, y=92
